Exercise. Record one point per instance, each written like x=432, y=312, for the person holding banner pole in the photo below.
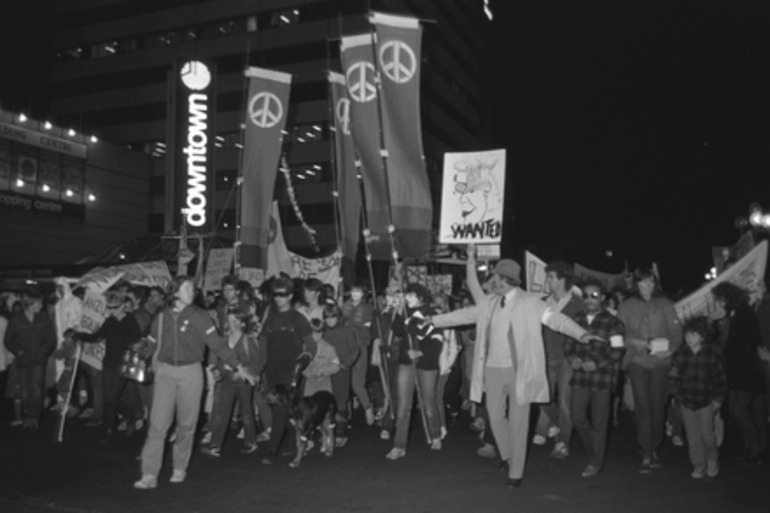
x=185, y=332
x=417, y=371
x=509, y=358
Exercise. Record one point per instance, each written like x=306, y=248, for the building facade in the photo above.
x=113, y=59
x=65, y=196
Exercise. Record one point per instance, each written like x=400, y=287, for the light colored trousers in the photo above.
x=510, y=433
x=180, y=389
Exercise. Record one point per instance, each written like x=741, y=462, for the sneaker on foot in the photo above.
x=677, y=441
x=560, y=451
x=487, y=451
x=384, y=434
x=698, y=473
x=395, y=453
x=340, y=441
x=147, y=482
x=655, y=461
x=249, y=448
x=269, y=459
x=86, y=414
x=211, y=450
x=590, y=471
x=478, y=424
x=369, y=412
x=538, y=440
x=178, y=476
x=264, y=436
x=17, y=423
x=138, y=424
x=123, y=425
x=646, y=467
x=553, y=431
x=435, y=445
x=669, y=429
x=444, y=432
x=241, y=434
x=712, y=469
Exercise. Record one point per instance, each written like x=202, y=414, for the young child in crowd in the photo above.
x=699, y=383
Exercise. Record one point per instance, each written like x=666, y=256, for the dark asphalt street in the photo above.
x=82, y=475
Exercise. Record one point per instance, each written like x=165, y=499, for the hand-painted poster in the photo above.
x=472, y=197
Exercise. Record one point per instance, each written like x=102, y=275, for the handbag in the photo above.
x=136, y=367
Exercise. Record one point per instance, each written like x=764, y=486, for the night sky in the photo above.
x=642, y=130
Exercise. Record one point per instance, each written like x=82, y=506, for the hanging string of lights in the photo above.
x=284, y=168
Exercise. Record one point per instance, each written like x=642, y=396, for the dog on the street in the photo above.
x=307, y=414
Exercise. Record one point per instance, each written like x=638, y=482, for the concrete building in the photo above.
x=113, y=58
x=65, y=195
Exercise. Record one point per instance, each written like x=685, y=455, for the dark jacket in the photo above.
x=414, y=335
x=118, y=335
x=554, y=341
x=31, y=342
x=744, y=368
x=345, y=343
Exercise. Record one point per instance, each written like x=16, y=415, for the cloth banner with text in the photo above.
x=472, y=198
x=281, y=260
x=219, y=265
x=347, y=183
x=357, y=55
x=146, y=274
x=266, y=109
x=609, y=281
x=399, y=58
x=746, y=273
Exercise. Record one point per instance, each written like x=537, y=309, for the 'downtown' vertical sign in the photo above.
x=192, y=133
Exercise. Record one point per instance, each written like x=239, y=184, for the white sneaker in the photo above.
x=435, y=445
x=178, y=476
x=384, y=434
x=677, y=441
x=138, y=425
x=395, y=454
x=369, y=416
x=444, y=432
x=206, y=438
x=147, y=482
x=241, y=434
x=553, y=431
x=539, y=440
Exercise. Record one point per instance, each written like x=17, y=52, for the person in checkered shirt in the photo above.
x=596, y=366
x=699, y=382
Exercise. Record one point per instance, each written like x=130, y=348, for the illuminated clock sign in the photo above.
x=194, y=107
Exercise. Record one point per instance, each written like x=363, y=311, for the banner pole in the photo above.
x=239, y=178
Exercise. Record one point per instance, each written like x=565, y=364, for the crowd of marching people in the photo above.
x=237, y=365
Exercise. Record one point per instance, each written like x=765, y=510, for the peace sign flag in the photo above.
x=265, y=118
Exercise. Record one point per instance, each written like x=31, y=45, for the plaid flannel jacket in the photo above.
x=606, y=358
x=698, y=379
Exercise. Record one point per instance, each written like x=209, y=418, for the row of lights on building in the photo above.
x=47, y=188
x=47, y=125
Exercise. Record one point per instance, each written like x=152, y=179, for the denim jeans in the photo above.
x=701, y=441
x=226, y=393
x=406, y=388
x=650, y=387
x=358, y=378
x=558, y=411
x=591, y=415
x=113, y=385
x=32, y=379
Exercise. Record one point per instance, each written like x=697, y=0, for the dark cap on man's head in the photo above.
x=508, y=269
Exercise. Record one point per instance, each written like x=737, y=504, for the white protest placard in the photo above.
x=534, y=270
x=472, y=197
x=94, y=313
x=219, y=265
x=488, y=252
x=254, y=276
x=746, y=273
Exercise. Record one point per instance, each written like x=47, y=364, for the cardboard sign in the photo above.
x=472, y=198
x=219, y=265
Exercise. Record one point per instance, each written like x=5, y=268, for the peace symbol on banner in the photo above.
x=343, y=115
x=361, y=82
x=265, y=110
x=398, y=61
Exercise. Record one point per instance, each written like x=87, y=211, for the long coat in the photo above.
x=527, y=313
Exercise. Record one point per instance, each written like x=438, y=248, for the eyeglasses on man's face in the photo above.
x=281, y=293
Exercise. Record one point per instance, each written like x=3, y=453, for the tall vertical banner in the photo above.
x=399, y=50
x=348, y=185
x=357, y=55
x=268, y=103
x=472, y=198
x=192, y=177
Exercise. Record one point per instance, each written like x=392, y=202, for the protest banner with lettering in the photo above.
x=534, y=271
x=609, y=281
x=94, y=313
x=147, y=274
x=746, y=273
x=219, y=265
x=724, y=256
x=472, y=198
